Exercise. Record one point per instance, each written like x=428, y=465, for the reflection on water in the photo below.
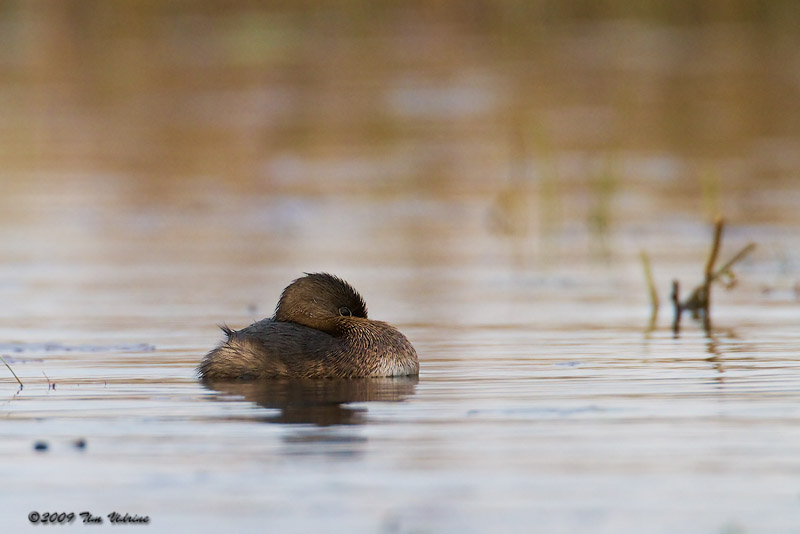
x=319, y=402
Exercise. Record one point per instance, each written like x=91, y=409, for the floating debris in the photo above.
x=79, y=443
x=40, y=446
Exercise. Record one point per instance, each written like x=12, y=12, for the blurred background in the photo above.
x=190, y=158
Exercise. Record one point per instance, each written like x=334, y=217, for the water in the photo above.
x=486, y=180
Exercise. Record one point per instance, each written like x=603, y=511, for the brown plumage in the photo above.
x=320, y=330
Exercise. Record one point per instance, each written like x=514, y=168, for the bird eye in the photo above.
x=345, y=311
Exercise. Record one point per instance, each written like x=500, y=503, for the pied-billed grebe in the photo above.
x=320, y=330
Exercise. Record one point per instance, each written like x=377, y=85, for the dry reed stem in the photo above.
x=676, y=302
x=12, y=372
x=651, y=289
x=719, y=223
x=699, y=300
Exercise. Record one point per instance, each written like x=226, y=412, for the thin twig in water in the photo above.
x=12, y=372
x=651, y=288
x=709, y=273
x=676, y=301
x=725, y=269
x=719, y=222
x=49, y=385
x=699, y=300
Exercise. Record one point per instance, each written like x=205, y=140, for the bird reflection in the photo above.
x=319, y=402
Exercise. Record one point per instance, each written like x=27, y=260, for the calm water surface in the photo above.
x=489, y=197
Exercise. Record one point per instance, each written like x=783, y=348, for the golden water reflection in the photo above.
x=319, y=402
